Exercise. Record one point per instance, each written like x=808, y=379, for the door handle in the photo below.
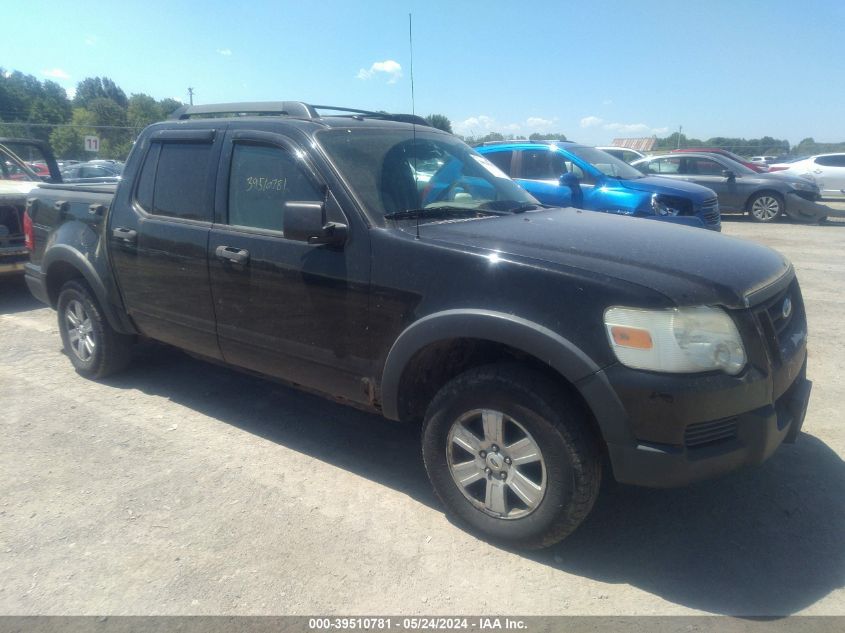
x=232, y=254
x=127, y=236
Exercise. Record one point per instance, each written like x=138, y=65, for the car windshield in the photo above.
x=401, y=174
x=605, y=163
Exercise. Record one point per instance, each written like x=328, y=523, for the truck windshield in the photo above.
x=429, y=176
x=605, y=163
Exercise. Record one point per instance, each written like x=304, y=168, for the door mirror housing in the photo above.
x=729, y=174
x=306, y=222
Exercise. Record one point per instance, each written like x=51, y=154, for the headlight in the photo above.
x=676, y=340
x=803, y=186
x=660, y=208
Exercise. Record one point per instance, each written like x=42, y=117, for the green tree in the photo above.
x=440, y=121
x=168, y=106
x=142, y=111
x=556, y=136
x=68, y=140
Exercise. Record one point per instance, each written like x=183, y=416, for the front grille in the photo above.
x=703, y=433
x=779, y=327
x=710, y=212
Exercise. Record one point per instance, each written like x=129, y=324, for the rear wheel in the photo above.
x=510, y=456
x=93, y=346
x=765, y=207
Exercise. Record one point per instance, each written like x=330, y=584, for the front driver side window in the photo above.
x=262, y=179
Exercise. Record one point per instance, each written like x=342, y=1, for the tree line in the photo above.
x=35, y=109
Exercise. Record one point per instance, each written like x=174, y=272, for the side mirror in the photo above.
x=729, y=174
x=306, y=222
x=568, y=179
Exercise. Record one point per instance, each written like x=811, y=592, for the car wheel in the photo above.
x=510, y=456
x=93, y=346
x=765, y=207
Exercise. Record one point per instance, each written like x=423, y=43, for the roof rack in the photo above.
x=523, y=140
x=294, y=109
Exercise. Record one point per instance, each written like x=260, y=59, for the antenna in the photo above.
x=413, y=111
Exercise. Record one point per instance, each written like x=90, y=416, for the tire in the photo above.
x=765, y=207
x=93, y=346
x=528, y=485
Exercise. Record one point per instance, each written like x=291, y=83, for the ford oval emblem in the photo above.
x=786, y=310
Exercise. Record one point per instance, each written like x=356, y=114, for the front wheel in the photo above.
x=95, y=349
x=765, y=207
x=510, y=456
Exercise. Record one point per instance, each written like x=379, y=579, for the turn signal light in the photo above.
x=631, y=337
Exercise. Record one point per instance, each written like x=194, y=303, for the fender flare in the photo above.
x=536, y=340
x=496, y=327
x=61, y=253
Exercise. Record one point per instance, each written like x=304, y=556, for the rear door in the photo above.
x=829, y=173
x=159, y=241
x=286, y=308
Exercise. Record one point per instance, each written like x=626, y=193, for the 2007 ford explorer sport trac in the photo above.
x=532, y=344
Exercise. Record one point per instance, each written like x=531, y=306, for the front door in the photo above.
x=286, y=308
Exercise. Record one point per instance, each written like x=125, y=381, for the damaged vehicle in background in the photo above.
x=566, y=174
x=765, y=197
x=17, y=179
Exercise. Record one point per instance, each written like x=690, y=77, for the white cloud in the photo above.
x=70, y=92
x=539, y=124
x=591, y=121
x=482, y=124
x=226, y=52
x=392, y=69
x=622, y=128
x=607, y=102
x=90, y=40
x=56, y=73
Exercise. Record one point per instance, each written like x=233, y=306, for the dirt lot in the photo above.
x=184, y=488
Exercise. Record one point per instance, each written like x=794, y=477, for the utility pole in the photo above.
x=191, y=95
x=680, y=129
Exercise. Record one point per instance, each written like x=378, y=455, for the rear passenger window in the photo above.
x=262, y=179
x=831, y=161
x=181, y=181
x=146, y=181
x=502, y=160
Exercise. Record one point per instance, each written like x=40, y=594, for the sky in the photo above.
x=592, y=70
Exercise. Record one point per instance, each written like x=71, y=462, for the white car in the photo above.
x=827, y=170
x=623, y=153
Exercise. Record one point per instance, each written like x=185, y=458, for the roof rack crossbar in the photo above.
x=286, y=108
x=295, y=109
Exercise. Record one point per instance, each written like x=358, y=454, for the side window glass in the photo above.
x=181, y=181
x=831, y=161
x=666, y=166
x=502, y=160
x=539, y=165
x=262, y=179
x=146, y=181
x=704, y=167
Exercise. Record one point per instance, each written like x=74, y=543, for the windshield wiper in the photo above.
x=437, y=212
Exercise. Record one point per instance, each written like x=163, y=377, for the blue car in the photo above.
x=565, y=174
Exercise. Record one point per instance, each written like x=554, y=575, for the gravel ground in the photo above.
x=185, y=488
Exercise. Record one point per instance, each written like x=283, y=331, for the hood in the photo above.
x=782, y=177
x=17, y=186
x=668, y=186
x=687, y=265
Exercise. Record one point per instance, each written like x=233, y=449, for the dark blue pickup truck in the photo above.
x=562, y=173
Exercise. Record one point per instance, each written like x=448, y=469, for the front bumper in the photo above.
x=718, y=447
x=683, y=428
x=803, y=210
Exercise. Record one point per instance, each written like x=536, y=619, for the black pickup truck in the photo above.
x=536, y=346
